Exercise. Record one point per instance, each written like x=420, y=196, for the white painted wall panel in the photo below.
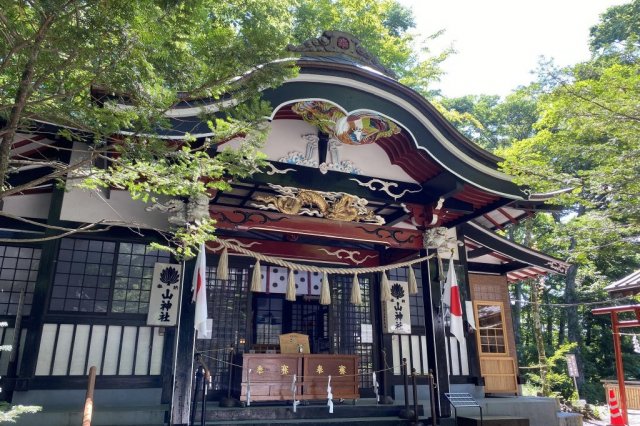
x=95, y=348
x=405, y=344
x=415, y=354
x=6, y=338
x=395, y=350
x=425, y=358
x=112, y=350
x=127, y=350
x=63, y=350
x=143, y=351
x=45, y=352
x=156, y=352
x=79, y=352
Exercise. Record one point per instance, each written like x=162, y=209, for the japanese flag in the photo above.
x=199, y=288
x=451, y=286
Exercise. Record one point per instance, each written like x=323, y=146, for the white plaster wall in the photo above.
x=82, y=205
x=285, y=136
x=91, y=206
x=34, y=206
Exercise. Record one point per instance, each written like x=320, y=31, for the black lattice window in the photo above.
x=19, y=269
x=83, y=275
x=87, y=270
x=134, y=272
x=416, y=301
x=227, y=307
x=312, y=319
x=269, y=319
x=347, y=319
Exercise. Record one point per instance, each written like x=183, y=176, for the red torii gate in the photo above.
x=616, y=326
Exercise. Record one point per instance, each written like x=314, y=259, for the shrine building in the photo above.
x=365, y=177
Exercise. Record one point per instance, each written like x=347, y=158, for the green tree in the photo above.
x=73, y=62
x=70, y=62
x=492, y=122
x=618, y=27
x=384, y=28
x=587, y=138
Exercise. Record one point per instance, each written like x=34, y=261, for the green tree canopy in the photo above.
x=76, y=62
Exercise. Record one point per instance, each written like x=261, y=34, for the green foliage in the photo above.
x=383, y=27
x=10, y=413
x=577, y=128
x=491, y=122
x=558, y=378
x=618, y=25
x=77, y=62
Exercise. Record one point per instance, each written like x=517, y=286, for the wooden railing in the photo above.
x=632, y=389
x=88, y=401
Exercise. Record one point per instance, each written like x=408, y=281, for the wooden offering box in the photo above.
x=272, y=374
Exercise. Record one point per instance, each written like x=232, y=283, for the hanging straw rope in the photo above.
x=222, y=272
x=413, y=284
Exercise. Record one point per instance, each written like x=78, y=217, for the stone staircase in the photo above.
x=310, y=415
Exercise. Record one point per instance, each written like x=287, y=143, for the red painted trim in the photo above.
x=507, y=215
x=490, y=219
x=234, y=218
x=320, y=253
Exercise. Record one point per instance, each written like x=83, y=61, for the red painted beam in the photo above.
x=237, y=219
x=490, y=219
x=507, y=215
x=610, y=309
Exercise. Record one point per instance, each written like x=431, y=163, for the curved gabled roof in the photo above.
x=491, y=253
x=630, y=282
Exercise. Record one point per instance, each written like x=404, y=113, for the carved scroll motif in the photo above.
x=346, y=254
x=385, y=187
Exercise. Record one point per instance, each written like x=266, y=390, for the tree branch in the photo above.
x=54, y=237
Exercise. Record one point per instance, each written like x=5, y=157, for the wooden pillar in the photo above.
x=434, y=325
x=184, y=351
x=39, y=305
x=619, y=367
x=472, y=347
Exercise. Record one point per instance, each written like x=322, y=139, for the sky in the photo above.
x=499, y=42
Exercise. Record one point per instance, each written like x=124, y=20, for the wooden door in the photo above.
x=496, y=366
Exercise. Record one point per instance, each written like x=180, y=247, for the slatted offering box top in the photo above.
x=294, y=343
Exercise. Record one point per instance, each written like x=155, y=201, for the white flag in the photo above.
x=199, y=288
x=455, y=308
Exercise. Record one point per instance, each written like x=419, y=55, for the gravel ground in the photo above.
x=634, y=418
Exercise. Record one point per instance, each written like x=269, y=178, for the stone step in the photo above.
x=569, y=419
x=273, y=413
x=492, y=421
x=359, y=421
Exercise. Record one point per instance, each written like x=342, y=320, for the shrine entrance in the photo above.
x=274, y=316
x=247, y=322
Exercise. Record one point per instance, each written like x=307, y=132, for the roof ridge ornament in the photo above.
x=342, y=43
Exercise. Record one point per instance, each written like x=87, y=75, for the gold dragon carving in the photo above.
x=329, y=205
